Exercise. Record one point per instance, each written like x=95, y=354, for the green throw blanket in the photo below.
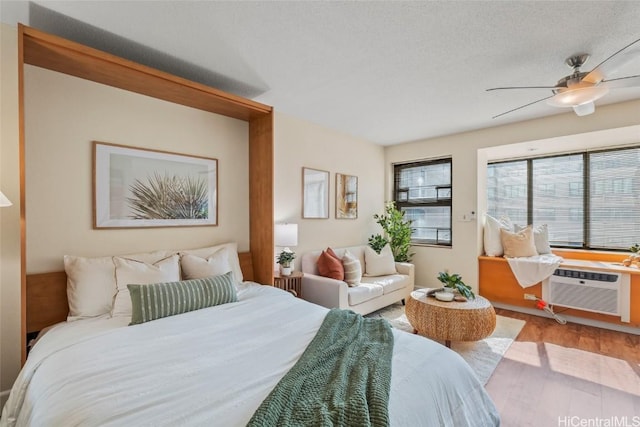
x=341, y=379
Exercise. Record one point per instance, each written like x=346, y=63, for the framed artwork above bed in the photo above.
x=135, y=187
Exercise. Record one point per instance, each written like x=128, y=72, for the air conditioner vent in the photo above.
x=601, y=300
x=589, y=290
x=587, y=275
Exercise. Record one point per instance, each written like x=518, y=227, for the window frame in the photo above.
x=437, y=202
x=587, y=181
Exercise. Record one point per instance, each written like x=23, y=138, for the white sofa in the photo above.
x=374, y=292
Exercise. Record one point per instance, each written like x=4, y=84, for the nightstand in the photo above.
x=292, y=283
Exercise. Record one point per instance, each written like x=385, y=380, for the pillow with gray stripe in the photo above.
x=157, y=300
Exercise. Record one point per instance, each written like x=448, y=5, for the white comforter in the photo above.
x=215, y=366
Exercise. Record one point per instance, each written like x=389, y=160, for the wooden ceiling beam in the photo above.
x=58, y=54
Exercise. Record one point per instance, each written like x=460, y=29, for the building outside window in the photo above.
x=423, y=191
x=607, y=216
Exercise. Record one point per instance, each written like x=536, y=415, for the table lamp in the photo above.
x=4, y=202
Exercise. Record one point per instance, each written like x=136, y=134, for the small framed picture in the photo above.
x=315, y=193
x=346, y=196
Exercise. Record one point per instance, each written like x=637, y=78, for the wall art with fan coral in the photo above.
x=135, y=187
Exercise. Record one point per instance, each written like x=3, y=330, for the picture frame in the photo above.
x=346, y=196
x=138, y=187
x=315, y=193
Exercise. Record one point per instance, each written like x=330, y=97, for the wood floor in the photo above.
x=553, y=372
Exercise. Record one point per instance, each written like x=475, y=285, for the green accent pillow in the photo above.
x=157, y=300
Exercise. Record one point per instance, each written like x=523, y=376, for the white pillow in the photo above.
x=195, y=267
x=232, y=252
x=133, y=272
x=91, y=286
x=352, y=269
x=91, y=282
x=540, y=237
x=492, y=242
x=381, y=264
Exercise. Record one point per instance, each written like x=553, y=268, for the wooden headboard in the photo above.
x=47, y=295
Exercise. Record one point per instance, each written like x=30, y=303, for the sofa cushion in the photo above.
x=309, y=260
x=520, y=244
x=330, y=265
x=364, y=292
x=379, y=264
x=352, y=269
x=389, y=283
x=492, y=239
x=540, y=237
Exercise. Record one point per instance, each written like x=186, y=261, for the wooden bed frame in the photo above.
x=43, y=296
x=47, y=295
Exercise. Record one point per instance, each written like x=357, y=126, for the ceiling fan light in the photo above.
x=577, y=96
x=584, y=109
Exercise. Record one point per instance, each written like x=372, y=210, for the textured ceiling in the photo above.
x=388, y=72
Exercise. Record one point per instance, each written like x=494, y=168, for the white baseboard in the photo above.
x=572, y=319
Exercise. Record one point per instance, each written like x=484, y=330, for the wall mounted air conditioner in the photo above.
x=589, y=290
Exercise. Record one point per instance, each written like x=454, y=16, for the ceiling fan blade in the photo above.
x=608, y=66
x=521, y=87
x=630, y=81
x=526, y=105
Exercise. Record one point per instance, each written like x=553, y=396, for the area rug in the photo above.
x=483, y=356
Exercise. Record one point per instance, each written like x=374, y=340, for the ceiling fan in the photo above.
x=580, y=89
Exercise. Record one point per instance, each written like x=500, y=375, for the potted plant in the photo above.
x=285, y=258
x=398, y=233
x=455, y=283
x=377, y=242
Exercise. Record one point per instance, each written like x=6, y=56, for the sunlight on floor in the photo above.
x=524, y=352
x=607, y=371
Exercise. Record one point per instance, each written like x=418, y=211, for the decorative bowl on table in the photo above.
x=444, y=296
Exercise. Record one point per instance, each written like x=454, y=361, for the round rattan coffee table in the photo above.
x=472, y=320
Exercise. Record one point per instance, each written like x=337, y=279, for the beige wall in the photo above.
x=9, y=217
x=299, y=144
x=64, y=114
x=609, y=125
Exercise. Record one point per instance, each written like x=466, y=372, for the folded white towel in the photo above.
x=534, y=269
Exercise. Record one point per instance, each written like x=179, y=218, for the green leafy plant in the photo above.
x=454, y=281
x=398, y=231
x=285, y=258
x=169, y=197
x=635, y=248
x=377, y=242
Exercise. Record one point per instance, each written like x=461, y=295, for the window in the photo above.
x=423, y=191
x=503, y=200
x=589, y=200
x=575, y=189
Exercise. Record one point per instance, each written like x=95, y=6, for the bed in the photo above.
x=214, y=366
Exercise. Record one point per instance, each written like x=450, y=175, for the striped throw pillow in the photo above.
x=352, y=269
x=157, y=300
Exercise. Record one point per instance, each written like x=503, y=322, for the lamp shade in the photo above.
x=577, y=96
x=286, y=235
x=4, y=202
